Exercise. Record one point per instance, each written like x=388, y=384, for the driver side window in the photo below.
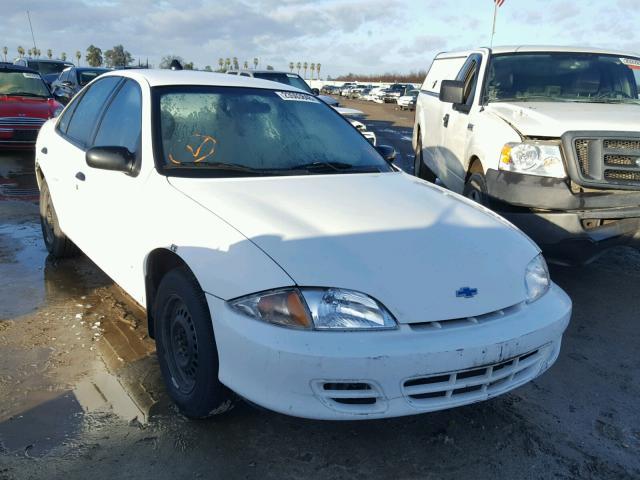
x=469, y=74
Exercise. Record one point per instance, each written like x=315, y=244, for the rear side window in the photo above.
x=442, y=69
x=88, y=110
x=122, y=123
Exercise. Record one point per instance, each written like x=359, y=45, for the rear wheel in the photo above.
x=476, y=189
x=57, y=243
x=186, y=347
x=420, y=169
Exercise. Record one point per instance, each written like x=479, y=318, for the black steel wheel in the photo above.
x=57, y=243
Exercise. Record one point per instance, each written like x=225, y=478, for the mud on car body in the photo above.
x=283, y=275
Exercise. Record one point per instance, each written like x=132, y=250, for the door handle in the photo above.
x=80, y=176
x=445, y=120
x=44, y=150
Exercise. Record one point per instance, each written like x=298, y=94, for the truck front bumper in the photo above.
x=571, y=228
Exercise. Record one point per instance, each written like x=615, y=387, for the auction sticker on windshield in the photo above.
x=297, y=97
x=633, y=63
x=30, y=75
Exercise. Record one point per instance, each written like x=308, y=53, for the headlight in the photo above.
x=533, y=158
x=317, y=308
x=536, y=278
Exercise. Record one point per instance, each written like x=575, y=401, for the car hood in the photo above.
x=407, y=243
x=15, y=106
x=553, y=119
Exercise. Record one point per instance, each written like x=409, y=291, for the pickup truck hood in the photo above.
x=16, y=106
x=553, y=119
x=408, y=243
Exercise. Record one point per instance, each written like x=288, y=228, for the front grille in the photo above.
x=467, y=321
x=25, y=135
x=32, y=121
x=448, y=389
x=604, y=159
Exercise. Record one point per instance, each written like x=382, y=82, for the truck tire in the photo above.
x=186, y=347
x=57, y=243
x=420, y=169
x=476, y=189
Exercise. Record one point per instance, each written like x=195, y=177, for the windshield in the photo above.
x=27, y=84
x=85, y=76
x=46, y=68
x=222, y=131
x=286, y=78
x=573, y=77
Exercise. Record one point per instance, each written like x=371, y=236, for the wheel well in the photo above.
x=475, y=166
x=159, y=263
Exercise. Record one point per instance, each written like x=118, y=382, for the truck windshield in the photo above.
x=563, y=77
x=222, y=131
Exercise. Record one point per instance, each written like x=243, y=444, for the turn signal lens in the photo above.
x=284, y=307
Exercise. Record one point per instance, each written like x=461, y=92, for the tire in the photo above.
x=186, y=347
x=57, y=243
x=420, y=169
x=476, y=189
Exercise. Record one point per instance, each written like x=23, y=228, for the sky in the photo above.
x=359, y=36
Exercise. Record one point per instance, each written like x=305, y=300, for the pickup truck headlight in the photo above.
x=536, y=278
x=533, y=158
x=317, y=308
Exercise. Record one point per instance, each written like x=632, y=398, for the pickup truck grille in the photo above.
x=604, y=160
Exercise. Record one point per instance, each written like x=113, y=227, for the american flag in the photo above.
x=499, y=3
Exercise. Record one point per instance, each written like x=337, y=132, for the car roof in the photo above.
x=160, y=78
x=537, y=48
x=5, y=66
x=92, y=69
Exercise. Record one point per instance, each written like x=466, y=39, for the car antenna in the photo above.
x=31, y=28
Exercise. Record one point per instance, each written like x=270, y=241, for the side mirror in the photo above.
x=118, y=159
x=387, y=152
x=315, y=91
x=452, y=91
x=67, y=83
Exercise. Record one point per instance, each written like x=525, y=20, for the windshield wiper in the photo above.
x=25, y=94
x=221, y=166
x=333, y=167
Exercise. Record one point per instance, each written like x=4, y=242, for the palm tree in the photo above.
x=255, y=62
x=49, y=53
x=298, y=66
x=63, y=56
x=235, y=63
x=221, y=62
x=291, y=66
x=29, y=52
x=312, y=67
x=78, y=56
x=318, y=71
x=5, y=50
x=246, y=65
x=305, y=66
x=21, y=52
x=227, y=63
x=38, y=52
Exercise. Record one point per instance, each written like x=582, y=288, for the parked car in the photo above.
x=287, y=78
x=395, y=91
x=330, y=90
x=547, y=136
x=73, y=79
x=25, y=104
x=408, y=100
x=49, y=69
x=346, y=88
x=273, y=262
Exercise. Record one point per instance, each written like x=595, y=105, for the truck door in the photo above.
x=457, y=125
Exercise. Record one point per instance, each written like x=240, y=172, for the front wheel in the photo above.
x=57, y=243
x=420, y=169
x=476, y=189
x=186, y=347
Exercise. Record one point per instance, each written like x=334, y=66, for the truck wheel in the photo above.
x=420, y=169
x=476, y=189
x=57, y=243
x=186, y=347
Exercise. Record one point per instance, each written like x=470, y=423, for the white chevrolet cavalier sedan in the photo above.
x=281, y=258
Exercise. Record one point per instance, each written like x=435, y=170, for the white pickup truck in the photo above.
x=547, y=136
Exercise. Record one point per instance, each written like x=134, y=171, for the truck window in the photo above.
x=442, y=69
x=469, y=75
x=563, y=77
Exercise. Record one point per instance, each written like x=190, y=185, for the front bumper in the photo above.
x=571, y=228
x=363, y=375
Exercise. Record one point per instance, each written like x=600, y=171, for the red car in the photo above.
x=25, y=104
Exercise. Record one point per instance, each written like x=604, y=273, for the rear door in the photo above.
x=458, y=125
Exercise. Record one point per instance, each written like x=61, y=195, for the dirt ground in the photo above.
x=81, y=395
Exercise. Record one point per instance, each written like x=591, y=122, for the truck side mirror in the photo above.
x=452, y=91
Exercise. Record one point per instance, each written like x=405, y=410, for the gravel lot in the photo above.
x=81, y=395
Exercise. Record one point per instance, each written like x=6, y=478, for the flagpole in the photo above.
x=493, y=28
